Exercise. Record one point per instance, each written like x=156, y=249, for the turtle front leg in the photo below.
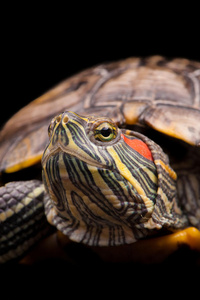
x=22, y=218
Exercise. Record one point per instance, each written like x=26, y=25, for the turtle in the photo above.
x=108, y=159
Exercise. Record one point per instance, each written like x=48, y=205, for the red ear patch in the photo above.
x=138, y=146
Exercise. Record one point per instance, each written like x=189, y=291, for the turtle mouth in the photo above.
x=61, y=150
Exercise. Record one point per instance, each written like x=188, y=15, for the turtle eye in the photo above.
x=105, y=132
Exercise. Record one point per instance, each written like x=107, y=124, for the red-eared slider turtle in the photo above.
x=108, y=183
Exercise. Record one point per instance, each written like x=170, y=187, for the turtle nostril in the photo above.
x=65, y=119
x=58, y=119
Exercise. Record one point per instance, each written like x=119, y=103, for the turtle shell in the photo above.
x=162, y=94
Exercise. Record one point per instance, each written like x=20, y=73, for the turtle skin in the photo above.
x=155, y=96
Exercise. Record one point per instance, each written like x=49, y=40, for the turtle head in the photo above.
x=107, y=185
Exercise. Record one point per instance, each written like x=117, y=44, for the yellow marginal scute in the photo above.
x=24, y=164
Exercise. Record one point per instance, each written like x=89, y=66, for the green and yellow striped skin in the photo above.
x=22, y=218
x=108, y=186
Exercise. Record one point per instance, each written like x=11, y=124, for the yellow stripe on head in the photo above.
x=167, y=168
